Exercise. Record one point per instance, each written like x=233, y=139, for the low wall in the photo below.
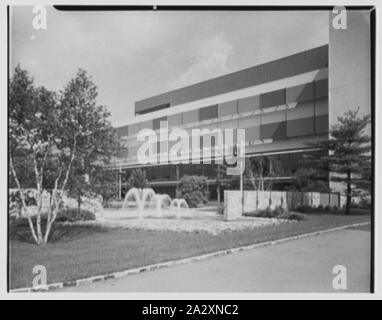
x=261, y=200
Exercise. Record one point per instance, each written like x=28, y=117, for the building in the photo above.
x=282, y=105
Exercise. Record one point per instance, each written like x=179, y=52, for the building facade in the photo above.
x=282, y=105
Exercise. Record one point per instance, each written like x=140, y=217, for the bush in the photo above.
x=220, y=209
x=306, y=209
x=73, y=215
x=193, y=189
x=291, y=216
x=277, y=213
x=137, y=179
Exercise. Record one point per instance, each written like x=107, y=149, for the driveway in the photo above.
x=304, y=265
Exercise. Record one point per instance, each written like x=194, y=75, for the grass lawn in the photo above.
x=79, y=252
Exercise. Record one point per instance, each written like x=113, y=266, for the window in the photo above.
x=304, y=92
x=191, y=116
x=322, y=124
x=273, y=98
x=156, y=122
x=227, y=108
x=175, y=120
x=133, y=128
x=300, y=120
x=252, y=134
x=321, y=88
x=146, y=125
x=300, y=127
x=123, y=131
x=249, y=104
x=246, y=122
x=207, y=113
x=275, y=130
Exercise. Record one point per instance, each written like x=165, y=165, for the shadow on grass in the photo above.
x=19, y=230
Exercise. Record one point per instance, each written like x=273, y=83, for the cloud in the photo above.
x=209, y=60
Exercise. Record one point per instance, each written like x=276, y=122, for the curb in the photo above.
x=120, y=274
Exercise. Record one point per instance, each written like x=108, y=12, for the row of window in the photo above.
x=300, y=94
x=276, y=131
x=289, y=162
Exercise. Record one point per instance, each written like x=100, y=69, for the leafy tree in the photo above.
x=105, y=183
x=308, y=180
x=137, y=179
x=348, y=153
x=221, y=179
x=56, y=132
x=193, y=189
x=260, y=171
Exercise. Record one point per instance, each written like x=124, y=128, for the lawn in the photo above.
x=79, y=252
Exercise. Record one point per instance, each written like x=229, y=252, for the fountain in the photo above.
x=160, y=200
x=146, y=197
x=141, y=196
x=177, y=203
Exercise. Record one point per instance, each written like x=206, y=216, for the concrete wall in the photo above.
x=350, y=69
x=257, y=200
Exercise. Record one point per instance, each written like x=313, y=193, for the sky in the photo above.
x=138, y=54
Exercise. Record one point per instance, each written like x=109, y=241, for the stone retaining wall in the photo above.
x=261, y=200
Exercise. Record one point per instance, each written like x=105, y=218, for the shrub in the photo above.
x=137, y=179
x=291, y=216
x=193, y=189
x=73, y=215
x=306, y=209
x=220, y=209
x=277, y=213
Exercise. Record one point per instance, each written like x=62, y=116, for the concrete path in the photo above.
x=303, y=265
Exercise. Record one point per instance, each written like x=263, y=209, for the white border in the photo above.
x=185, y=296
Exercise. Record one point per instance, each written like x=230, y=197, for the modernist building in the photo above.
x=282, y=105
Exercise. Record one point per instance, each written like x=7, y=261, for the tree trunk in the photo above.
x=24, y=206
x=348, y=195
x=79, y=204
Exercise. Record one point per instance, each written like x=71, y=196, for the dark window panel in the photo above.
x=152, y=109
x=300, y=127
x=210, y=112
x=273, y=130
x=302, y=110
x=273, y=98
x=252, y=134
x=321, y=106
x=123, y=131
x=322, y=124
x=156, y=122
x=321, y=88
x=249, y=104
x=304, y=92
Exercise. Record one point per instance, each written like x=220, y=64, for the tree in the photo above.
x=308, y=180
x=260, y=171
x=347, y=153
x=193, y=189
x=137, y=179
x=54, y=131
x=105, y=183
x=221, y=177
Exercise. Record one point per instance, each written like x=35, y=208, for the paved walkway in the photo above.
x=303, y=265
